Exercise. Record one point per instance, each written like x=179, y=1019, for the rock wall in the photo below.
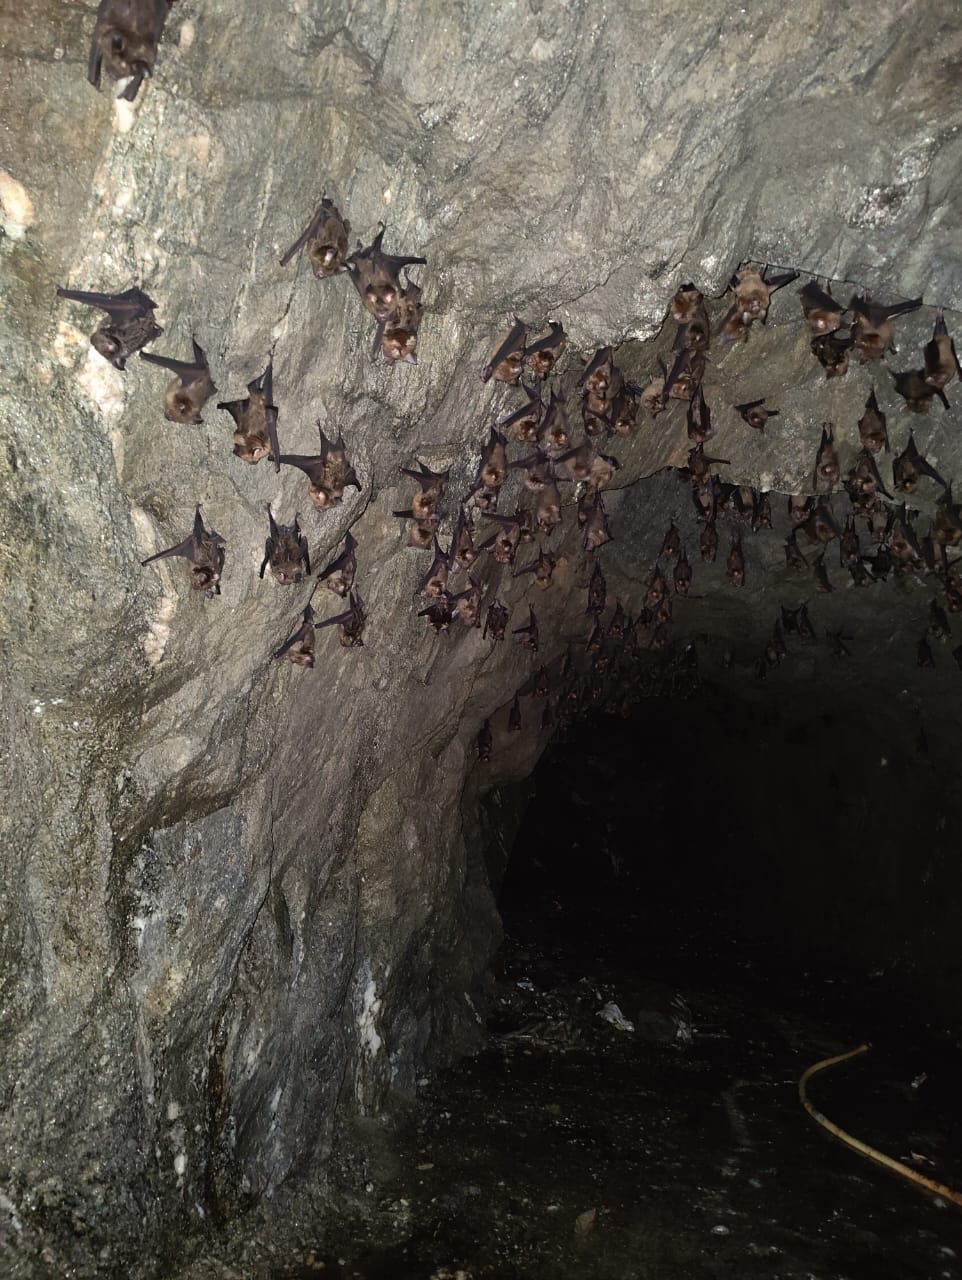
x=238, y=896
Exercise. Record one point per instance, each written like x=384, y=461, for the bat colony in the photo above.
x=561, y=463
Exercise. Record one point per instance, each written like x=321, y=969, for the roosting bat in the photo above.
x=735, y=564
x=823, y=313
x=340, y=573
x=506, y=360
x=597, y=592
x=671, y=543
x=542, y=354
x=553, y=432
x=255, y=421
x=463, y=551
x=328, y=473
x=755, y=414
x=821, y=574
x=909, y=467
x=596, y=532
x=326, y=237
x=941, y=361
x=495, y=621
x=285, y=551
x=708, y=542
x=204, y=549
x=916, y=391
x=872, y=329
x=397, y=338
x=826, y=459
x=524, y=422
x=350, y=624
x=547, y=514
x=484, y=742
x=299, y=647
x=493, y=468
x=466, y=605
x=125, y=39
x=682, y=574
x=375, y=276
x=542, y=568
x=190, y=389
x=831, y=352
x=427, y=501
x=528, y=634
x=435, y=581
x=871, y=426
x=623, y=416
x=129, y=325
x=598, y=373
x=699, y=417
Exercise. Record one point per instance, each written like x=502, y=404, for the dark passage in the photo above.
x=701, y=901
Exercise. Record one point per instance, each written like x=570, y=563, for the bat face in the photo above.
x=125, y=38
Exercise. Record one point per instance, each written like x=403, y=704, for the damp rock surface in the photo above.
x=240, y=899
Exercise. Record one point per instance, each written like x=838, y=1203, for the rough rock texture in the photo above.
x=238, y=896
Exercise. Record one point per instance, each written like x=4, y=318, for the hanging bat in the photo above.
x=514, y=716
x=493, y=468
x=524, y=422
x=128, y=326
x=826, y=459
x=803, y=624
x=204, y=549
x=947, y=525
x=686, y=374
x=596, y=532
x=439, y=613
x=542, y=568
x=671, y=543
x=542, y=355
x=872, y=329
x=542, y=684
x=699, y=418
x=285, y=551
x=909, y=467
x=917, y=393
x=463, y=551
x=547, y=513
x=794, y=557
x=255, y=421
x=427, y=501
x=753, y=292
x=761, y=512
x=598, y=374
x=375, y=276
x=422, y=532
x=681, y=575
x=597, y=592
x=939, y=627
x=624, y=410
x=553, y=432
x=396, y=339
x=864, y=477
x=340, y=573
x=538, y=470
x=708, y=542
x=435, y=581
x=125, y=39
x=823, y=313
x=503, y=545
x=821, y=525
x=190, y=389
x=688, y=309
x=603, y=468
x=484, y=742
x=831, y=352
x=528, y=634
x=656, y=588
x=755, y=414
x=941, y=361
x=820, y=573
x=654, y=398
x=686, y=302
x=299, y=648
x=466, y=605
x=506, y=360
x=735, y=564
x=616, y=627
x=328, y=473
x=326, y=238
x=350, y=624
x=849, y=552
x=495, y=621
x=871, y=426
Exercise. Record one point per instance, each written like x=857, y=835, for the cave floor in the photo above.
x=568, y=1148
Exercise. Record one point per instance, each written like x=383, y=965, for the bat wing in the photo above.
x=186, y=371
x=309, y=231
x=95, y=60
x=187, y=548
x=236, y=409
x=313, y=467
x=270, y=417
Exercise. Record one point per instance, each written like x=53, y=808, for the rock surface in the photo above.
x=239, y=898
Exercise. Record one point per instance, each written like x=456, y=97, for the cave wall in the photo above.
x=238, y=896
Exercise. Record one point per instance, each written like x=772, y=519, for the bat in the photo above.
x=128, y=326
x=439, y=613
x=542, y=684
x=125, y=39
x=204, y=549
x=688, y=309
x=553, y=432
x=939, y=627
x=542, y=355
x=656, y=588
x=463, y=551
x=686, y=374
x=506, y=359
x=804, y=624
x=328, y=473
x=596, y=532
x=493, y=468
x=838, y=646
x=435, y=581
x=299, y=648
x=396, y=339
x=616, y=627
x=191, y=388
x=831, y=352
x=708, y=542
x=686, y=302
x=624, y=410
x=872, y=330
x=495, y=621
x=800, y=506
x=849, y=553
x=871, y=426
x=761, y=512
x=548, y=511
x=542, y=568
x=916, y=391
x=255, y=421
x=375, y=276
x=755, y=414
x=524, y=422
x=753, y=292
x=864, y=477
x=654, y=398
x=681, y=575
x=350, y=624
x=735, y=564
x=699, y=417
x=823, y=313
x=528, y=634
x=285, y=551
x=671, y=543
x=421, y=533
x=427, y=501
x=597, y=592
x=598, y=373
x=794, y=557
x=909, y=467
x=503, y=545
x=484, y=742
x=466, y=605
x=514, y=716
x=603, y=468
x=340, y=573
x=826, y=459
x=901, y=540
x=941, y=361
x=947, y=525
x=326, y=238
x=821, y=525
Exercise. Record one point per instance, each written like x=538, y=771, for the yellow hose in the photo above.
x=855, y=1143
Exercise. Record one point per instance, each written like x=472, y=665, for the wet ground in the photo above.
x=674, y=1151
